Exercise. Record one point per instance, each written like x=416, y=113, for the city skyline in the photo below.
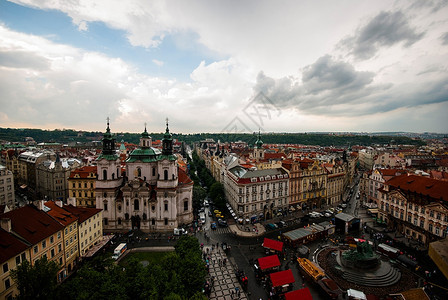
x=225, y=66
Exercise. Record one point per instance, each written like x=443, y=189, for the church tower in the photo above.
x=109, y=180
x=145, y=139
x=258, y=149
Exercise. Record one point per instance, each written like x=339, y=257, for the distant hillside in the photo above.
x=322, y=139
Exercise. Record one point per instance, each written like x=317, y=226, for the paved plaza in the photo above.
x=225, y=284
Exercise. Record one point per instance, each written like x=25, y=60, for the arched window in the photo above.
x=144, y=217
x=136, y=204
x=153, y=221
x=153, y=171
x=126, y=216
x=139, y=172
x=165, y=174
x=118, y=173
x=104, y=174
x=119, y=221
x=113, y=176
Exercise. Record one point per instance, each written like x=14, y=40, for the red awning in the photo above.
x=282, y=278
x=302, y=294
x=272, y=244
x=267, y=262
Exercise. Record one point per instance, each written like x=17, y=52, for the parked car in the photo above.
x=222, y=223
x=271, y=226
x=327, y=214
x=343, y=205
x=210, y=214
x=179, y=231
x=213, y=225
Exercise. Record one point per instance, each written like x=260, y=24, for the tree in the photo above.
x=198, y=196
x=217, y=195
x=38, y=281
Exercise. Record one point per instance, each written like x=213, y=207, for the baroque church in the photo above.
x=152, y=194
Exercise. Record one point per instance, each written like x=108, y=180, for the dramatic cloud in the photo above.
x=384, y=30
x=330, y=87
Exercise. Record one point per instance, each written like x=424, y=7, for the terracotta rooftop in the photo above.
x=83, y=172
x=436, y=189
x=184, y=178
x=32, y=224
x=83, y=213
x=59, y=214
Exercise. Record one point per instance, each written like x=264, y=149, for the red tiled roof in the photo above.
x=302, y=294
x=32, y=224
x=268, y=155
x=83, y=172
x=272, y=244
x=183, y=177
x=59, y=214
x=267, y=262
x=436, y=189
x=282, y=278
x=10, y=246
x=83, y=213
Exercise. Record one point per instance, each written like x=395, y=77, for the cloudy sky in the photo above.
x=225, y=66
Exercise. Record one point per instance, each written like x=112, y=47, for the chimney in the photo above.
x=58, y=203
x=71, y=201
x=6, y=224
x=39, y=204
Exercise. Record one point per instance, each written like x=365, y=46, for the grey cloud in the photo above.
x=330, y=87
x=384, y=30
x=23, y=59
x=444, y=38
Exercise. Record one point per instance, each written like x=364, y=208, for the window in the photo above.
x=7, y=283
x=104, y=174
x=59, y=248
x=44, y=244
x=5, y=267
x=17, y=260
x=166, y=206
x=153, y=171
x=119, y=221
x=430, y=228
x=166, y=221
x=52, y=253
x=51, y=239
x=106, y=221
x=165, y=174
x=439, y=216
x=136, y=204
x=153, y=222
x=36, y=249
x=431, y=213
x=105, y=206
x=422, y=223
x=437, y=230
x=185, y=205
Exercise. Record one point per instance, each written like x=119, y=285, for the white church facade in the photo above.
x=153, y=194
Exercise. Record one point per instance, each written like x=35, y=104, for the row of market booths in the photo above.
x=279, y=284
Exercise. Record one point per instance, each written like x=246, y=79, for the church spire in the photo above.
x=167, y=142
x=108, y=141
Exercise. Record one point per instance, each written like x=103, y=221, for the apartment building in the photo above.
x=13, y=253
x=416, y=206
x=81, y=186
x=254, y=193
x=7, y=196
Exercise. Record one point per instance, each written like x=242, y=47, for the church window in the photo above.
x=104, y=174
x=165, y=174
x=126, y=216
x=105, y=206
x=144, y=217
x=153, y=221
x=166, y=221
x=118, y=173
x=166, y=206
x=153, y=171
x=136, y=205
x=153, y=208
x=119, y=221
x=119, y=207
x=185, y=205
x=113, y=176
x=106, y=221
x=139, y=172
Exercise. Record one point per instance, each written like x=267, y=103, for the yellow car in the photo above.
x=219, y=216
x=216, y=211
